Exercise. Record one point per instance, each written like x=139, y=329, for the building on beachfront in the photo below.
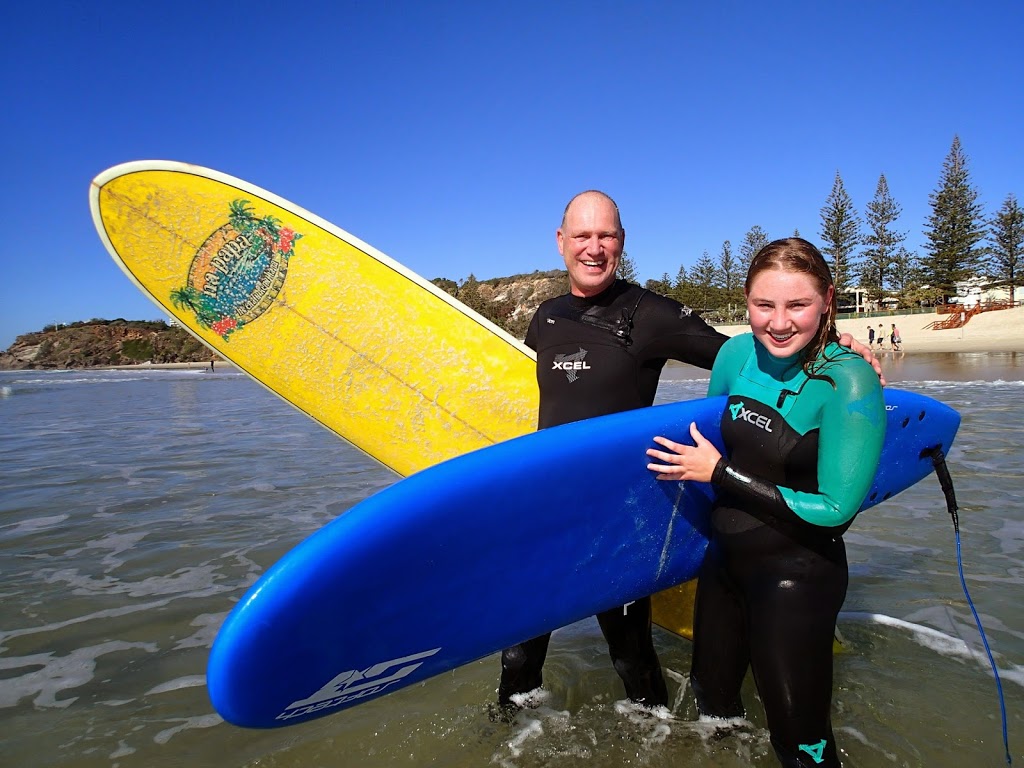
x=979, y=290
x=856, y=301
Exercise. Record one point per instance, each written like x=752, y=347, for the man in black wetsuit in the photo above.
x=600, y=349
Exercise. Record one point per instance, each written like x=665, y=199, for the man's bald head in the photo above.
x=593, y=193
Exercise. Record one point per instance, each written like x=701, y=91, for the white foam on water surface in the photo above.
x=115, y=702
x=34, y=524
x=529, y=722
x=116, y=543
x=195, y=581
x=958, y=385
x=123, y=750
x=109, y=613
x=187, y=724
x=861, y=738
x=940, y=642
x=531, y=730
x=653, y=720
x=188, y=681
x=50, y=675
x=209, y=624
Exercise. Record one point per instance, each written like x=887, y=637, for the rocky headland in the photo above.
x=509, y=302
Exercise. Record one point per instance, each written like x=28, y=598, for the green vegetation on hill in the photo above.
x=100, y=342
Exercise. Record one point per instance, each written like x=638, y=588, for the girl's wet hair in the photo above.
x=794, y=254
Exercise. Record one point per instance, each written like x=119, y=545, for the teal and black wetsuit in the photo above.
x=801, y=454
x=597, y=356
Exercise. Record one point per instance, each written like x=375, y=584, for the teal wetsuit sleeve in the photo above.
x=849, y=446
x=850, y=438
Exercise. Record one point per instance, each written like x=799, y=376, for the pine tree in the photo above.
x=904, y=275
x=840, y=234
x=706, y=278
x=627, y=270
x=1006, y=253
x=681, y=277
x=662, y=287
x=469, y=294
x=732, y=280
x=728, y=268
x=955, y=226
x=753, y=241
x=682, y=291
x=883, y=242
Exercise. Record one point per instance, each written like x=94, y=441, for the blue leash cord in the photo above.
x=942, y=472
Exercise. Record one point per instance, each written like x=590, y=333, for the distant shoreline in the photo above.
x=219, y=365
x=997, y=331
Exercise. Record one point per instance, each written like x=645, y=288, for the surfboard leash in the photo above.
x=946, y=483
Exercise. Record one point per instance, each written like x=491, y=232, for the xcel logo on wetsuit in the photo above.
x=740, y=411
x=571, y=363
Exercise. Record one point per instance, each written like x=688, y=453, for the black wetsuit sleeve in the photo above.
x=765, y=498
x=531, y=332
x=675, y=332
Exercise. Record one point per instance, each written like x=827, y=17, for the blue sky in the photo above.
x=450, y=135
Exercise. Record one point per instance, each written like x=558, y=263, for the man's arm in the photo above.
x=680, y=334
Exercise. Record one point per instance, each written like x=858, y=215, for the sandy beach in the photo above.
x=998, y=331
x=221, y=365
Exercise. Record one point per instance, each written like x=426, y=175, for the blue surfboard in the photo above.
x=486, y=550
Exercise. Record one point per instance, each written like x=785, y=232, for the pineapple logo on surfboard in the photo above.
x=238, y=272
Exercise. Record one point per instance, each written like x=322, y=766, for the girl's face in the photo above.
x=786, y=310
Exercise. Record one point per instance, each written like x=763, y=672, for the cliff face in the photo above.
x=103, y=342
x=508, y=302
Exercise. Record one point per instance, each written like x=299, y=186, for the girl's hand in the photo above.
x=685, y=462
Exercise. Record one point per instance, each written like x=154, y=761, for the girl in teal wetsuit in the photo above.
x=803, y=433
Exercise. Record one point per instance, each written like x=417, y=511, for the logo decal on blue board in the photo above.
x=356, y=684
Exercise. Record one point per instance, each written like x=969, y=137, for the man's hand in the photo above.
x=853, y=345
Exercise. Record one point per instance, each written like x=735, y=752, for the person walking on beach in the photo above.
x=775, y=576
x=895, y=340
x=625, y=334
x=871, y=337
x=881, y=336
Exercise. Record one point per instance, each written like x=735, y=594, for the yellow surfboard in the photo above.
x=375, y=353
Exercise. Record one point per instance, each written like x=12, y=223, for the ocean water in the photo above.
x=137, y=507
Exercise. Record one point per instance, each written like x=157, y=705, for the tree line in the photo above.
x=961, y=243
x=869, y=254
